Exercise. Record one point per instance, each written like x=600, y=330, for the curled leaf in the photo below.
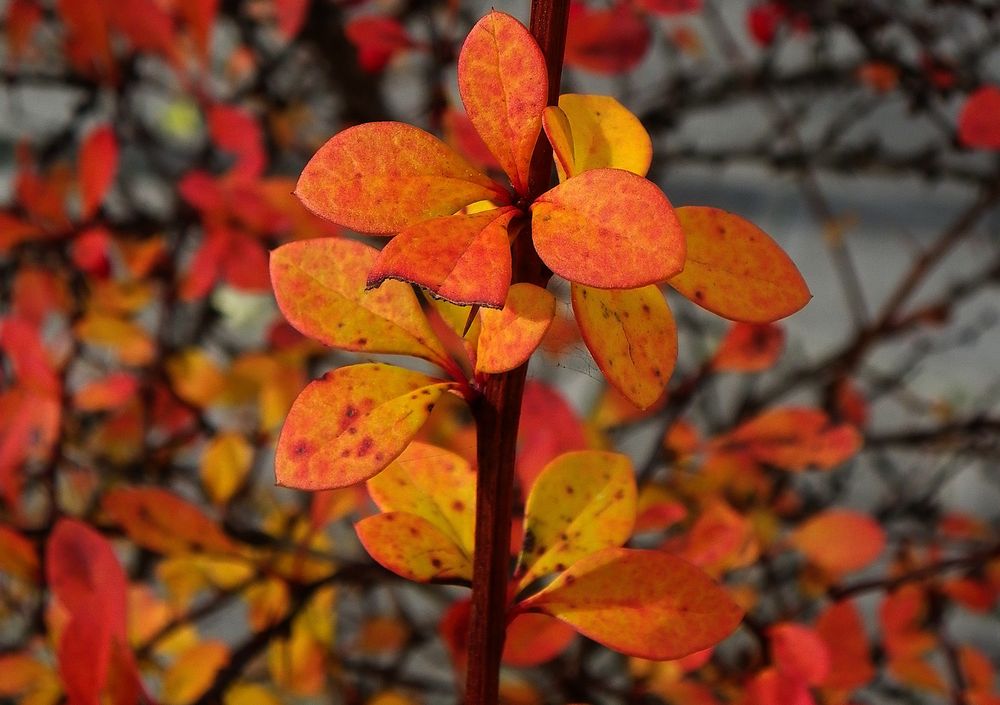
x=349, y=425
x=602, y=227
x=382, y=177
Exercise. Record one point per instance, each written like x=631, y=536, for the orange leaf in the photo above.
x=349, y=425
x=511, y=335
x=17, y=556
x=799, y=652
x=632, y=336
x=504, y=86
x=977, y=123
x=98, y=166
x=840, y=541
x=14, y=231
x=162, y=522
x=841, y=628
x=734, y=269
x=749, y=347
x=462, y=258
x=193, y=672
x=320, y=288
x=434, y=484
x=382, y=177
x=795, y=438
x=414, y=548
x=594, y=132
x=772, y=687
x=721, y=539
x=533, y=639
x=600, y=227
x=582, y=502
x=642, y=603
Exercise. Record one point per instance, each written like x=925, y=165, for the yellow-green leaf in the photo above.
x=734, y=268
x=511, y=335
x=608, y=228
x=582, y=502
x=381, y=177
x=632, y=336
x=504, y=86
x=349, y=425
x=462, y=258
x=414, y=548
x=648, y=604
x=434, y=484
x=595, y=132
x=320, y=287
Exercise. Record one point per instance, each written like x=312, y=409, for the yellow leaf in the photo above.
x=195, y=377
x=193, y=672
x=130, y=342
x=225, y=464
x=413, y=547
x=250, y=694
x=509, y=336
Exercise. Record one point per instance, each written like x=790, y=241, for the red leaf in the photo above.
x=291, y=15
x=606, y=41
x=841, y=628
x=200, y=16
x=377, y=39
x=799, y=652
x=548, y=428
x=750, y=347
x=978, y=123
x=670, y=7
x=22, y=18
x=237, y=131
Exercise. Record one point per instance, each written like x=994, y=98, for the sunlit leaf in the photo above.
x=632, y=336
x=353, y=422
x=582, y=502
x=462, y=258
x=642, y=603
x=432, y=483
x=414, y=548
x=840, y=540
x=600, y=228
x=320, y=288
x=595, y=132
x=193, y=672
x=225, y=464
x=382, y=177
x=504, y=86
x=735, y=269
x=509, y=336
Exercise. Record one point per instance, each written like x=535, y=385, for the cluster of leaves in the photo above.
x=146, y=556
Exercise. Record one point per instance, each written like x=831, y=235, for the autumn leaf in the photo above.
x=382, y=177
x=503, y=82
x=414, y=548
x=642, y=603
x=378, y=40
x=749, y=347
x=510, y=336
x=839, y=540
x=193, y=673
x=594, y=132
x=463, y=258
x=98, y=166
x=734, y=269
x=632, y=336
x=548, y=428
x=608, y=41
x=581, y=502
x=598, y=229
x=841, y=628
x=320, y=286
x=353, y=422
x=18, y=557
x=799, y=652
x=225, y=464
x=977, y=123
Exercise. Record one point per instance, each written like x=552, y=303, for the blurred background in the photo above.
x=148, y=151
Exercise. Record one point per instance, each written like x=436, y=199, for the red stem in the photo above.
x=497, y=413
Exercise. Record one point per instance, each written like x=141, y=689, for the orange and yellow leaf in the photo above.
x=503, y=82
x=642, y=603
x=382, y=177
x=632, y=336
x=462, y=258
x=352, y=423
x=582, y=502
x=840, y=541
x=602, y=227
x=509, y=336
x=320, y=288
x=414, y=548
x=734, y=268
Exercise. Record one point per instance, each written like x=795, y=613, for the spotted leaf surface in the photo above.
x=434, y=484
x=582, y=502
x=594, y=132
x=602, y=228
x=320, y=288
x=414, y=548
x=642, y=603
x=382, y=177
x=509, y=336
x=632, y=336
x=352, y=423
x=504, y=86
x=734, y=268
x=462, y=258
